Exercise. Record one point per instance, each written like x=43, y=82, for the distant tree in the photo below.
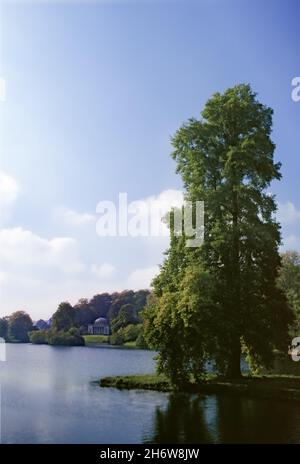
x=127, y=315
x=39, y=337
x=140, y=299
x=87, y=311
x=100, y=305
x=70, y=337
x=41, y=324
x=19, y=324
x=126, y=304
x=131, y=332
x=118, y=300
x=289, y=282
x=116, y=339
x=64, y=318
x=83, y=313
x=114, y=309
x=3, y=328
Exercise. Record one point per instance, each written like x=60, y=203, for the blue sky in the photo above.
x=94, y=90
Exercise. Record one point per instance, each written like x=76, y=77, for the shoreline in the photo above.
x=266, y=387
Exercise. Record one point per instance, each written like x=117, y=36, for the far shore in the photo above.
x=281, y=387
x=104, y=341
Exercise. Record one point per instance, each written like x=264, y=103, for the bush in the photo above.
x=131, y=332
x=141, y=342
x=83, y=330
x=116, y=339
x=39, y=337
x=70, y=338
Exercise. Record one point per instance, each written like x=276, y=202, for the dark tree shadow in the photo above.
x=182, y=421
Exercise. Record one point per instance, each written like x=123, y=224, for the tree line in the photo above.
x=128, y=314
x=69, y=323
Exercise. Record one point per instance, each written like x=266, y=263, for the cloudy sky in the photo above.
x=94, y=90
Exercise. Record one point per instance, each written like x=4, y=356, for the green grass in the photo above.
x=90, y=339
x=130, y=345
x=278, y=387
x=145, y=382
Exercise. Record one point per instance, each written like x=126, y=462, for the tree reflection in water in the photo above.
x=184, y=420
x=225, y=419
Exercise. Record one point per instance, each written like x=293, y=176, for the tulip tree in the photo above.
x=220, y=299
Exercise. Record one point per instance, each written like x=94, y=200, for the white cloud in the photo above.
x=72, y=218
x=24, y=253
x=289, y=216
x=36, y=273
x=287, y=213
x=168, y=198
x=159, y=205
x=102, y=270
x=145, y=216
x=142, y=278
x=8, y=193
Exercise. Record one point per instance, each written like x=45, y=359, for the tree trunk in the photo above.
x=234, y=363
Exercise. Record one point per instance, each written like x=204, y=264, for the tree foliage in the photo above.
x=64, y=318
x=211, y=301
x=127, y=315
x=3, y=328
x=19, y=324
x=69, y=322
x=70, y=337
x=289, y=282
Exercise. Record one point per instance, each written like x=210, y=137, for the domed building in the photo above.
x=99, y=327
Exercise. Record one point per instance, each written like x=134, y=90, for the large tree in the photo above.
x=64, y=318
x=19, y=324
x=215, y=300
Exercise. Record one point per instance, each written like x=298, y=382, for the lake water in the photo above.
x=50, y=395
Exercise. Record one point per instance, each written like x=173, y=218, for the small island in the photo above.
x=234, y=297
x=283, y=387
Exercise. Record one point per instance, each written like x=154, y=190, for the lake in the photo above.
x=50, y=395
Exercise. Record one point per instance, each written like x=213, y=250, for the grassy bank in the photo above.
x=104, y=339
x=279, y=387
x=95, y=339
x=145, y=382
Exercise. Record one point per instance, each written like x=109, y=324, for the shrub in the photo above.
x=131, y=332
x=116, y=339
x=70, y=338
x=39, y=337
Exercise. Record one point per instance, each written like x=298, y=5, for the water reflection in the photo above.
x=50, y=395
x=226, y=419
x=184, y=420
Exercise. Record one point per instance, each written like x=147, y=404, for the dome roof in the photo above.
x=100, y=321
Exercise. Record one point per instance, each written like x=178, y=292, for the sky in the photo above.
x=94, y=90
